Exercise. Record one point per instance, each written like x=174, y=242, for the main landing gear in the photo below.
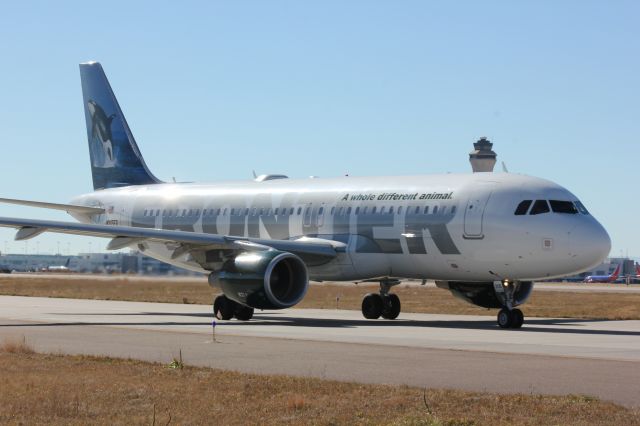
x=225, y=309
x=385, y=304
x=508, y=317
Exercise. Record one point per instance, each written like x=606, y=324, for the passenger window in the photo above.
x=382, y=210
x=391, y=210
x=435, y=209
x=558, y=206
x=522, y=208
x=320, y=210
x=357, y=210
x=426, y=209
x=417, y=210
x=364, y=211
x=277, y=210
x=539, y=207
x=299, y=210
x=333, y=210
x=373, y=210
x=348, y=210
x=453, y=210
x=400, y=210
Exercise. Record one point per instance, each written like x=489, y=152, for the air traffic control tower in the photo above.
x=482, y=158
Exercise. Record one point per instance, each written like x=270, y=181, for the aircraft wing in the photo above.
x=71, y=208
x=184, y=241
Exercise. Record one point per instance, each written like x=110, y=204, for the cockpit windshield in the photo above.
x=563, y=207
x=546, y=206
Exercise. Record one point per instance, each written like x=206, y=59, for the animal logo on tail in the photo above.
x=101, y=131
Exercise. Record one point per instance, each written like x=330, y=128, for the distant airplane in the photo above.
x=58, y=268
x=484, y=236
x=604, y=278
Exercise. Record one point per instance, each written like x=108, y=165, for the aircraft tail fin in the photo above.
x=115, y=157
x=615, y=274
x=637, y=270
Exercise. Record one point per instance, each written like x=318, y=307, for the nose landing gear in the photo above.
x=508, y=317
x=385, y=304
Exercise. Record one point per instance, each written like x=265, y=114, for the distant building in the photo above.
x=482, y=158
x=606, y=268
x=102, y=263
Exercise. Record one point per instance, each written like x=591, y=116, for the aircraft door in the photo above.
x=473, y=215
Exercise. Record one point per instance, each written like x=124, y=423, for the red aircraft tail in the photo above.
x=615, y=274
x=637, y=270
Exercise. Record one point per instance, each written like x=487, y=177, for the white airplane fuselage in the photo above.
x=444, y=227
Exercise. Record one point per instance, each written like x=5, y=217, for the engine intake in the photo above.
x=264, y=280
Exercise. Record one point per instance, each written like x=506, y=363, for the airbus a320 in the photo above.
x=486, y=237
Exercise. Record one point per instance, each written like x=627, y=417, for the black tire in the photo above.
x=372, y=306
x=518, y=318
x=391, y=308
x=505, y=319
x=223, y=308
x=244, y=313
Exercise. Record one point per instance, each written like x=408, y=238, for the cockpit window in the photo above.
x=539, y=207
x=558, y=206
x=581, y=208
x=522, y=208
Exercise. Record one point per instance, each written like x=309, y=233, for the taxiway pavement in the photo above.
x=550, y=356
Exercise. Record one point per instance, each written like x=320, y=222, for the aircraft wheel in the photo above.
x=223, y=308
x=518, y=318
x=372, y=306
x=391, y=308
x=505, y=319
x=244, y=313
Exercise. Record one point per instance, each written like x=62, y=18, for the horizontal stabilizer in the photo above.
x=71, y=208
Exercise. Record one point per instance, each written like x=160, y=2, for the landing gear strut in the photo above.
x=225, y=309
x=508, y=317
x=385, y=304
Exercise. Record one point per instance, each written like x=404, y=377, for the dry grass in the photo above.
x=48, y=389
x=586, y=305
x=16, y=346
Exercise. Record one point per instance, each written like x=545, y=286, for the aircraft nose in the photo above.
x=590, y=244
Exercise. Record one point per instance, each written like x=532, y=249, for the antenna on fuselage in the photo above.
x=504, y=168
x=255, y=176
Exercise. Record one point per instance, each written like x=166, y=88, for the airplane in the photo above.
x=604, y=278
x=58, y=268
x=486, y=237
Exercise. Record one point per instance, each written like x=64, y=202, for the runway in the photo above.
x=550, y=356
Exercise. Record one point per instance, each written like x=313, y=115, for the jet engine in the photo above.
x=485, y=294
x=268, y=279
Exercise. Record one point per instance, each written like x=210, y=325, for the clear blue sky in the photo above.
x=213, y=90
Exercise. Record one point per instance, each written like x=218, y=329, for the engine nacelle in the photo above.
x=268, y=279
x=484, y=293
